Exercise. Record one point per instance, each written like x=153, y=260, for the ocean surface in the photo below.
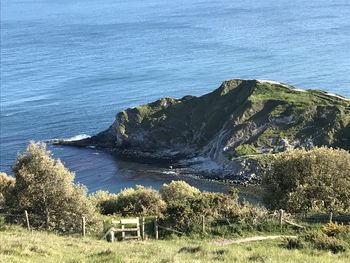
x=67, y=67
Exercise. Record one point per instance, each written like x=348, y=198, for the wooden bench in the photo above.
x=127, y=225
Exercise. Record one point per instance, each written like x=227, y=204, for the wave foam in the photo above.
x=71, y=139
x=77, y=138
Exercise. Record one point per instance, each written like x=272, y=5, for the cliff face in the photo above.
x=239, y=119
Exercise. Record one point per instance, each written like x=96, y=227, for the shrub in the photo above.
x=335, y=229
x=253, y=213
x=320, y=240
x=179, y=214
x=2, y=223
x=45, y=188
x=140, y=201
x=6, y=184
x=105, y=202
x=293, y=243
x=186, y=205
x=300, y=181
x=177, y=190
x=179, y=197
x=216, y=205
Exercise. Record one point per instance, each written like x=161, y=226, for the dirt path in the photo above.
x=224, y=241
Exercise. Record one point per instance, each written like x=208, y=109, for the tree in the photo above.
x=301, y=181
x=45, y=188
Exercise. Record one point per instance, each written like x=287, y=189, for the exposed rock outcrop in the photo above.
x=221, y=130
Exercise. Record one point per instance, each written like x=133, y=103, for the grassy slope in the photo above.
x=18, y=245
x=316, y=115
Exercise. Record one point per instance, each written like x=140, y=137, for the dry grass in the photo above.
x=19, y=245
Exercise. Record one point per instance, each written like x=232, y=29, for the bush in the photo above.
x=2, y=223
x=293, y=243
x=186, y=205
x=45, y=188
x=301, y=181
x=335, y=229
x=140, y=201
x=177, y=190
x=6, y=184
x=179, y=197
x=105, y=202
x=253, y=213
x=216, y=205
x=324, y=242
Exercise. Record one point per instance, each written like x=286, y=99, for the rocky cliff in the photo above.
x=223, y=129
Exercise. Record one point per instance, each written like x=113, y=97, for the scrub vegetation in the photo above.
x=297, y=181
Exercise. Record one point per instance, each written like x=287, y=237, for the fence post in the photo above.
x=83, y=230
x=156, y=227
x=203, y=224
x=27, y=219
x=281, y=218
x=143, y=228
x=331, y=217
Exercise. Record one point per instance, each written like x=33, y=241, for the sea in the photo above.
x=69, y=66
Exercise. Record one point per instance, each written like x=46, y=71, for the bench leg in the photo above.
x=112, y=235
x=123, y=232
x=138, y=233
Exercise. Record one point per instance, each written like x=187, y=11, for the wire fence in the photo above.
x=325, y=218
x=277, y=221
x=12, y=218
x=35, y=221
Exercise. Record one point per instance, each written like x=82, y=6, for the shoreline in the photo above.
x=172, y=168
x=173, y=160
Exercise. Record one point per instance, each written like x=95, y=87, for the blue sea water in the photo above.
x=67, y=67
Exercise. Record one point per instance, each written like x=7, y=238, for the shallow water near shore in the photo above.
x=67, y=67
x=115, y=175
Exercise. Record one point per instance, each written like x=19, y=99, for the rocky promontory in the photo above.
x=223, y=131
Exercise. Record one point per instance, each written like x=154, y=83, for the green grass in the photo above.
x=194, y=121
x=19, y=245
x=246, y=149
